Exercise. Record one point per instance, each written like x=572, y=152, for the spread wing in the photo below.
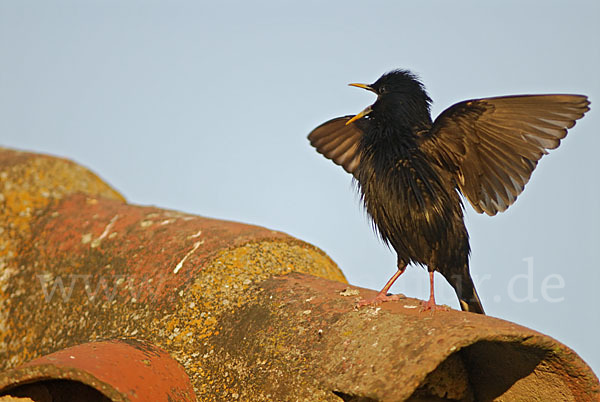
x=494, y=144
x=338, y=142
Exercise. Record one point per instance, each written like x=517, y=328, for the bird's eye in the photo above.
x=382, y=90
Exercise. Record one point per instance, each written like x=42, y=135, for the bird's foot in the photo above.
x=380, y=298
x=430, y=305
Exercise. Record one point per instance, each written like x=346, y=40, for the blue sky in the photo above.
x=205, y=108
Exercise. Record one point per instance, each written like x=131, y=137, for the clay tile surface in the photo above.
x=249, y=313
x=122, y=370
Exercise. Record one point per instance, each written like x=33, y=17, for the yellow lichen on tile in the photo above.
x=224, y=285
x=28, y=184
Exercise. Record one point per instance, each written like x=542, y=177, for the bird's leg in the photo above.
x=430, y=304
x=383, y=296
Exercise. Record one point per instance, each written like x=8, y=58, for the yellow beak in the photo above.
x=367, y=109
x=362, y=114
x=363, y=86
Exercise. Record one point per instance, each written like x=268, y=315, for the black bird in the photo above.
x=411, y=170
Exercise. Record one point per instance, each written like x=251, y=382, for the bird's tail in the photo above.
x=465, y=290
x=472, y=304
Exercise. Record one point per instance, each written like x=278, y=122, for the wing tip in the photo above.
x=337, y=142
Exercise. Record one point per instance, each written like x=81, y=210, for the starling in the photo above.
x=411, y=171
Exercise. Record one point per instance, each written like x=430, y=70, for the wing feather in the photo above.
x=338, y=142
x=494, y=144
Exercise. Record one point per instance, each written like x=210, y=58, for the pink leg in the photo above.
x=383, y=296
x=430, y=304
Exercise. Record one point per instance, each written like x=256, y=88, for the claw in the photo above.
x=430, y=305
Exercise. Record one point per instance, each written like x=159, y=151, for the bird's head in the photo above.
x=401, y=97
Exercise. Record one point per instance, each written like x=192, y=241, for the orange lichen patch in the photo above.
x=299, y=339
x=146, y=242
x=226, y=284
x=126, y=286
x=28, y=187
x=215, y=296
x=99, y=268
x=18, y=207
x=183, y=327
x=11, y=157
x=28, y=184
